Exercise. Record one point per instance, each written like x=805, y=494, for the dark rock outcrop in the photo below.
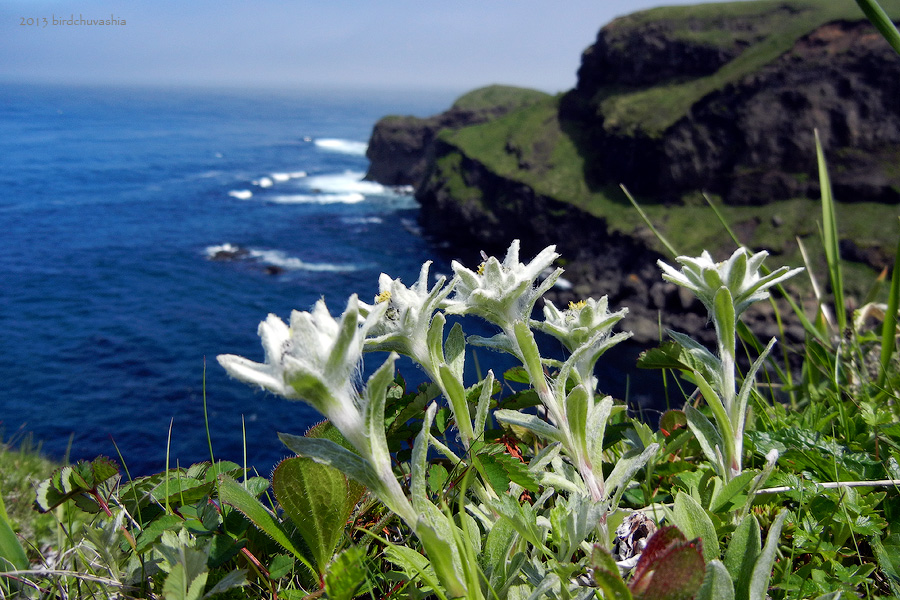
x=401, y=147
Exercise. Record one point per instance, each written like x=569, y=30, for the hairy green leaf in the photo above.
x=317, y=499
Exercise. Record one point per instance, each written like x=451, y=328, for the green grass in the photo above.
x=22, y=465
x=498, y=95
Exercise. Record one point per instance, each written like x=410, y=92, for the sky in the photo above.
x=388, y=44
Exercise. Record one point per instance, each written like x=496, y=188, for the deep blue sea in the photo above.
x=113, y=202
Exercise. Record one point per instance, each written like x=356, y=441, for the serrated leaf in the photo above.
x=520, y=400
x=316, y=498
x=155, y=529
x=437, y=478
x=671, y=421
x=279, y=566
x=501, y=469
x=670, y=567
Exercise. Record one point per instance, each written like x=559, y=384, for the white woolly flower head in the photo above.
x=406, y=311
x=316, y=359
x=580, y=322
x=739, y=274
x=503, y=293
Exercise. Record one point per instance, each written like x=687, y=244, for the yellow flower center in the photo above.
x=383, y=297
x=577, y=305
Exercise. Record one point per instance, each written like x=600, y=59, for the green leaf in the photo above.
x=707, y=435
x=529, y=422
x=671, y=420
x=316, y=498
x=456, y=395
x=625, y=469
x=762, y=571
x=329, y=453
x=577, y=414
x=501, y=469
x=233, y=494
x=187, y=578
x=438, y=547
x=717, y=584
x=435, y=338
x=437, y=478
x=517, y=375
x=724, y=317
x=831, y=240
x=11, y=552
x=606, y=575
x=742, y=553
x=233, y=579
x=455, y=350
x=414, y=565
x=694, y=522
x=888, y=557
x=723, y=495
x=346, y=575
x=155, y=529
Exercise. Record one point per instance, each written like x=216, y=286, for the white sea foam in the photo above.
x=348, y=181
x=297, y=174
x=241, y=194
x=280, y=177
x=226, y=247
x=348, y=198
x=264, y=182
x=363, y=220
x=278, y=258
x=342, y=146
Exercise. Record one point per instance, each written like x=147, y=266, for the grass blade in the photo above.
x=830, y=238
x=882, y=22
x=649, y=223
x=889, y=327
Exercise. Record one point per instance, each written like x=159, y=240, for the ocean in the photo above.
x=118, y=208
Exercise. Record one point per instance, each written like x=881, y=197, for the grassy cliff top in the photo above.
x=768, y=29
x=494, y=96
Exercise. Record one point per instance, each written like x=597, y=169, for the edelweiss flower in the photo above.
x=407, y=313
x=579, y=323
x=739, y=274
x=316, y=359
x=502, y=293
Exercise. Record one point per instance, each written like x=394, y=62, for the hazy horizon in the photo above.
x=404, y=44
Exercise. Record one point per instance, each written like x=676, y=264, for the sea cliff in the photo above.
x=673, y=103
